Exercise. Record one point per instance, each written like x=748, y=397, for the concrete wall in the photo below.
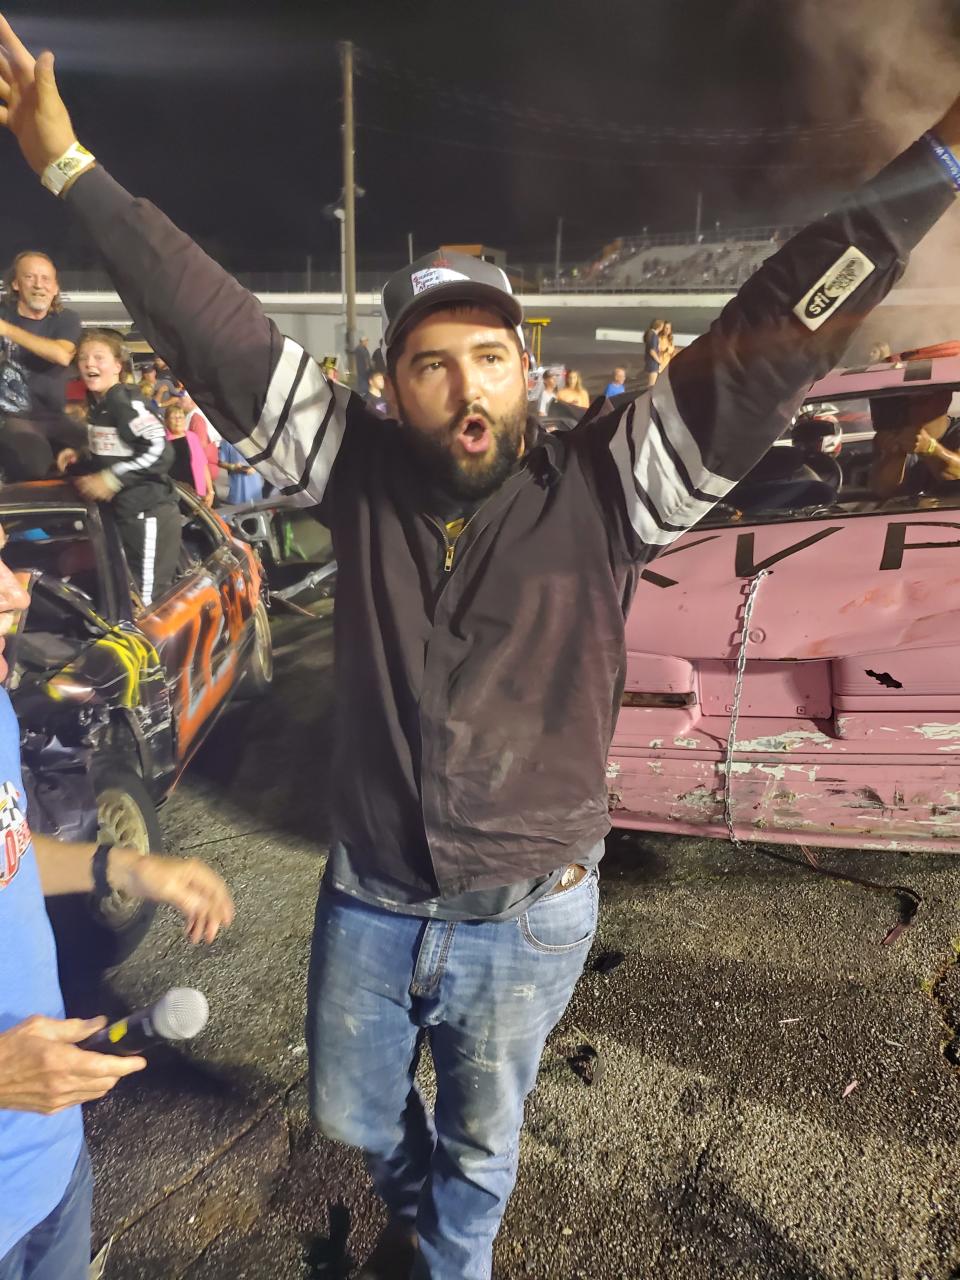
x=908, y=317
x=315, y=320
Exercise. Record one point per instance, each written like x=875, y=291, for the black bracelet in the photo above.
x=101, y=882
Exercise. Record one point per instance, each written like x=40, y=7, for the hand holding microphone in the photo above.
x=44, y=1070
x=49, y=1064
x=178, y=1015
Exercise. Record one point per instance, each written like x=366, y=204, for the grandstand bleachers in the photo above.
x=701, y=266
x=668, y=264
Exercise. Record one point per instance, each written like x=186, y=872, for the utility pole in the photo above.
x=341, y=217
x=410, y=246
x=696, y=233
x=349, y=200
x=556, y=259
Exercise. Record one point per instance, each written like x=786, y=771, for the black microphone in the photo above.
x=179, y=1015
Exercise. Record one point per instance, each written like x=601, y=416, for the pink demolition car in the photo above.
x=843, y=612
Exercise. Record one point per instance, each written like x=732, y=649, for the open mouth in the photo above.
x=475, y=434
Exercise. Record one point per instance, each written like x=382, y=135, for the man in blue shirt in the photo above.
x=45, y=1176
x=617, y=385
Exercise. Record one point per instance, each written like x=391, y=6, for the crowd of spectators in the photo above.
x=45, y=405
x=639, y=264
x=725, y=266
x=560, y=397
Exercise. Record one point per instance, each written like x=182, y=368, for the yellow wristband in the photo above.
x=60, y=175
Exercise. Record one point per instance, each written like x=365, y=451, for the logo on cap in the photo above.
x=421, y=281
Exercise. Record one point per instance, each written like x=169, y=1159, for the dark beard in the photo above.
x=440, y=469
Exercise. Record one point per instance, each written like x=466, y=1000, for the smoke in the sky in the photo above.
x=159, y=47
x=899, y=63
x=896, y=65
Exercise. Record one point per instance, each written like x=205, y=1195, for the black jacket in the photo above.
x=475, y=707
x=127, y=440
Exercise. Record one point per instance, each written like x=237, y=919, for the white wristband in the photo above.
x=59, y=175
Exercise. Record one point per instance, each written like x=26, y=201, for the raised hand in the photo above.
x=30, y=103
x=196, y=890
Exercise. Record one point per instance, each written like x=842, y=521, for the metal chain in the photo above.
x=735, y=712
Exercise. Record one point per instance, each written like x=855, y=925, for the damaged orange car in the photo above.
x=113, y=700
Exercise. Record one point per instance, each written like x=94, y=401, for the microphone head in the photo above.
x=180, y=1014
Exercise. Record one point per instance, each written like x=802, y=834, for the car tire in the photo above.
x=258, y=676
x=94, y=936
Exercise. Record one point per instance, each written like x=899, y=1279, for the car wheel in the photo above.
x=93, y=936
x=259, y=674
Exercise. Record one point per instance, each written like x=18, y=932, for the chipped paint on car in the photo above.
x=793, y=740
x=938, y=731
x=863, y=804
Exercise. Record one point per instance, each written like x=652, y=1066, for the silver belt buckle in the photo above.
x=569, y=875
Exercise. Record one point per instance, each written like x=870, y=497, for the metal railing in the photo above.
x=537, y=277
x=641, y=286
x=709, y=235
x=98, y=281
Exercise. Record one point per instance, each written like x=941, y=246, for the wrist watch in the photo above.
x=60, y=175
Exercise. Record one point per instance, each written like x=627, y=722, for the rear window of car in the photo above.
x=801, y=477
x=58, y=544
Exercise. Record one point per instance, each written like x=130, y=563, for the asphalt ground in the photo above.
x=772, y=1089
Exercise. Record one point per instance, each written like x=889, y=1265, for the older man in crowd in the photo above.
x=38, y=340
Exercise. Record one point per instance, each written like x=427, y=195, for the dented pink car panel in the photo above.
x=890, y=376
x=849, y=721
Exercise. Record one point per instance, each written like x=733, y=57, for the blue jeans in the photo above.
x=486, y=995
x=58, y=1248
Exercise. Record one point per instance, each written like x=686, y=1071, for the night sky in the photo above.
x=476, y=122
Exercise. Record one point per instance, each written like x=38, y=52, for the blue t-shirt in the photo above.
x=37, y=1153
x=614, y=389
x=243, y=488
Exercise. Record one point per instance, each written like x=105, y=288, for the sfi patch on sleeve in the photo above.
x=834, y=287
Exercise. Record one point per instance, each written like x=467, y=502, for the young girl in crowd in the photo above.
x=127, y=464
x=668, y=348
x=574, y=392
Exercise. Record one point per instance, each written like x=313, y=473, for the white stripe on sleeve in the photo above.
x=659, y=472
x=147, y=427
x=678, y=433
x=638, y=512
x=149, y=557
x=300, y=430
